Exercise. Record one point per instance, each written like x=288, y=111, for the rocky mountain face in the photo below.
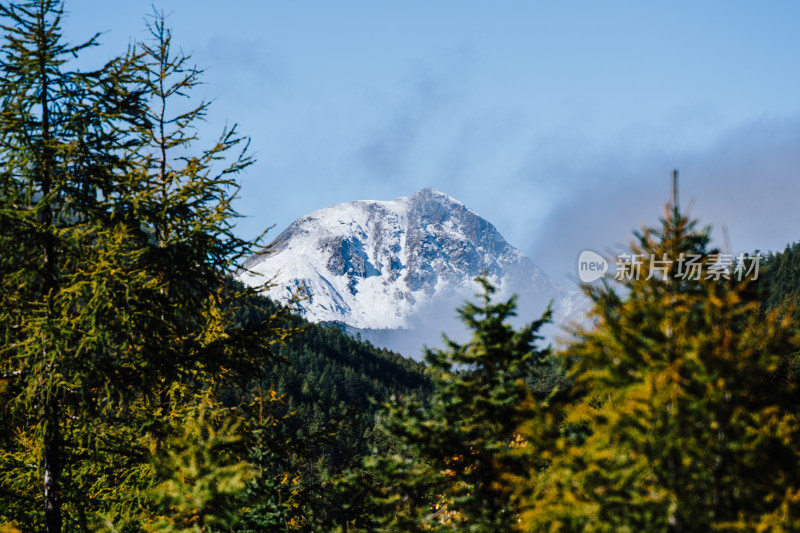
x=395, y=265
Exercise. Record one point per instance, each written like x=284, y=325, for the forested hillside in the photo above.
x=332, y=383
x=780, y=276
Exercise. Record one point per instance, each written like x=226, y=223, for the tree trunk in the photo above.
x=52, y=435
x=52, y=470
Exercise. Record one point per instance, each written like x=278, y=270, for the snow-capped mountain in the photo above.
x=375, y=265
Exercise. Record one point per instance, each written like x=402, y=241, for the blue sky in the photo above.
x=558, y=121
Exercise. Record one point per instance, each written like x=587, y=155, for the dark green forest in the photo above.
x=142, y=389
x=780, y=276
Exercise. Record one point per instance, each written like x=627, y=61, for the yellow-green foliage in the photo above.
x=199, y=471
x=678, y=419
x=115, y=262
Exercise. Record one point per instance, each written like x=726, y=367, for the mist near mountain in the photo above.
x=394, y=272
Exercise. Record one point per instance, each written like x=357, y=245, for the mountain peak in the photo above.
x=429, y=194
x=377, y=264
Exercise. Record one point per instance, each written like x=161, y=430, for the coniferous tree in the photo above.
x=452, y=454
x=56, y=189
x=114, y=264
x=271, y=500
x=198, y=471
x=679, y=421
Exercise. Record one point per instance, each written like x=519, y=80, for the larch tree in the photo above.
x=679, y=419
x=115, y=259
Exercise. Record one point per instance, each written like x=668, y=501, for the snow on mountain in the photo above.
x=376, y=265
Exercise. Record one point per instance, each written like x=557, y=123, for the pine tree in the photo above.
x=276, y=497
x=56, y=186
x=115, y=258
x=198, y=469
x=452, y=456
x=679, y=421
